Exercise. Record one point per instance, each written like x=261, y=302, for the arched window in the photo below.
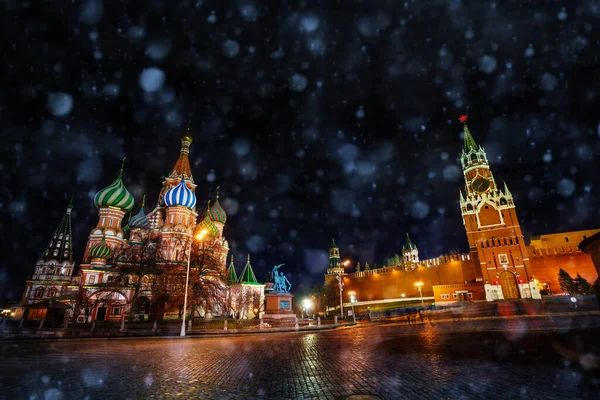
x=469, y=207
x=473, y=157
x=39, y=293
x=510, y=241
x=503, y=201
x=52, y=292
x=566, y=239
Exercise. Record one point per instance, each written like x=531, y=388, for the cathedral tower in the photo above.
x=495, y=239
x=113, y=202
x=219, y=217
x=53, y=270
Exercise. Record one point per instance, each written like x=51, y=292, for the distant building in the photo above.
x=499, y=265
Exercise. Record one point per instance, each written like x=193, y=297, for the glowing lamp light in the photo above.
x=307, y=304
x=520, y=280
x=403, y=295
x=346, y=263
x=496, y=282
x=201, y=235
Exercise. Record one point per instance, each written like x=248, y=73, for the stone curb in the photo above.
x=191, y=335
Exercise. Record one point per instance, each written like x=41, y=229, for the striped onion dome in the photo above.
x=140, y=220
x=180, y=195
x=217, y=213
x=207, y=226
x=101, y=251
x=115, y=195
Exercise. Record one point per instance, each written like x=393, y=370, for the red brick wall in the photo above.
x=476, y=288
x=545, y=267
x=390, y=283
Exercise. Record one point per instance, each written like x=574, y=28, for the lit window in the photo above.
x=470, y=294
x=92, y=279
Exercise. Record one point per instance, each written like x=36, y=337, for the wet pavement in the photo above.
x=388, y=362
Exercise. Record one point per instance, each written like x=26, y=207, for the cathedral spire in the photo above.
x=182, y=168
x=231, y=274
x=247, y=275
x=60, y=247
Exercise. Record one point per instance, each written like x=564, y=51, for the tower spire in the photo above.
x=122, y=167
x=182, y=168
x=247, y=275
x=60, y=246
x=469, y=141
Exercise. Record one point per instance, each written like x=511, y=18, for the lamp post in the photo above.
x=352, y=300
x=307, y=305
x=418, y=285
x=187, y=279
x=341, y=284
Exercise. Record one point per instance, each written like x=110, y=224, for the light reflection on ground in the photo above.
x=389, y=362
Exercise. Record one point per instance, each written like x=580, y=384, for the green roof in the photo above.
x=247, y=275
x=231, y=275
x=469, y=141
x=333, y=245
x=409, y=245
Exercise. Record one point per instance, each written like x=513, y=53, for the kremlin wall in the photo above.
x=500, y=265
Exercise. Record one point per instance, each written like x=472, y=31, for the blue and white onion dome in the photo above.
x=180, y=195
x=140, y=220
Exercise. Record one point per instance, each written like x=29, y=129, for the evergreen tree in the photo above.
x=367, y=267
x=390, y=262
x=582, y=286
x=566, y=282
x=357, y=267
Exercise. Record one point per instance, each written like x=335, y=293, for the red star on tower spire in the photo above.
x=463, y=118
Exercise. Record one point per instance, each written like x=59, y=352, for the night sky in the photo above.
x=316, y=122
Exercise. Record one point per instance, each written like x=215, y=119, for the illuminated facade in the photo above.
x=499, y=265
x=110, y=285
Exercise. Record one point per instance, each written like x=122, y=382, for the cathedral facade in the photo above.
x=135, y=266
x=499, y=265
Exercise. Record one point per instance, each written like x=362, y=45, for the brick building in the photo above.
x=499, y=265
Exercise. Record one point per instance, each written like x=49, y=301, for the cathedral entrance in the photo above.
x=101, y=314
x=508, y=281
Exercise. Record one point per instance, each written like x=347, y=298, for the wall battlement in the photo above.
x=439, y=261
x=553, y=251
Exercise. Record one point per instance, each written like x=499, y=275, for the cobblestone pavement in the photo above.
x=387, y=361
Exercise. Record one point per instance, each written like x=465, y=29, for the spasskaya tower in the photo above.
x=495, y=239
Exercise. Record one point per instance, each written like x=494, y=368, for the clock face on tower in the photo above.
x=480, y=184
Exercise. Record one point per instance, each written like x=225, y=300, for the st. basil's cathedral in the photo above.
x=161, y=239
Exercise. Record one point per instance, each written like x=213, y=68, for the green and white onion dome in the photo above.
x=115, y=195
x=101, y=251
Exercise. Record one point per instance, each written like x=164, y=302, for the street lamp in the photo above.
x=418, y=285
x=307, y=305
x=341, y=284
x=187, y=279
x=352, y=300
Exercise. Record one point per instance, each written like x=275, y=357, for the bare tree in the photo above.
x=141, y=262
x=207, y=290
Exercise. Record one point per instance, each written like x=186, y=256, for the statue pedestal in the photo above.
x=278, y=306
